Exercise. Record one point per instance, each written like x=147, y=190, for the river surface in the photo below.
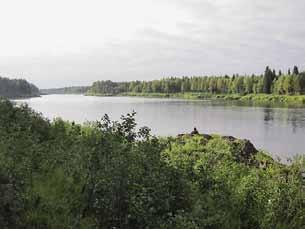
x=281, y=131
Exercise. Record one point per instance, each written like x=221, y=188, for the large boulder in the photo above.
x=244, y=150
x=206, y=136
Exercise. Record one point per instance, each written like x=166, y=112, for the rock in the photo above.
x=229, y=138
x=206, y=136
x=182, y=135
x=249, y=148
x=245, y=152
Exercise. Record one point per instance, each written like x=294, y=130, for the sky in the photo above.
x=58, y=43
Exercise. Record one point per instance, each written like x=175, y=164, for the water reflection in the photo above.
x=278, y=130
x=268, y=114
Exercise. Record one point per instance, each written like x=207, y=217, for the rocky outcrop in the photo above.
x=206, y=136
x=243, y=148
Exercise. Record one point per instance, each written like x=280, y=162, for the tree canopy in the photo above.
x=66, y=90
x=17, y=88
x=269, y=83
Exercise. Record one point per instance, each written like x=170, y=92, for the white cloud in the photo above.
x=63, y=42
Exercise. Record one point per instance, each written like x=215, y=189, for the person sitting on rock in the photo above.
x=195, y=131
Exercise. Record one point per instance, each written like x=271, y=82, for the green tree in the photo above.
x=267, y=80
x=295, y=70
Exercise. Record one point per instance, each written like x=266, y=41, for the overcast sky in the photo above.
x=58, y=43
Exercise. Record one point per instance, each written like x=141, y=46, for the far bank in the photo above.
x=264, y=99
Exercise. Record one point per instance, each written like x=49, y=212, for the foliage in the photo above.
x=17, y=88
x=269, y=83
x=106, y=174
x=66, y=90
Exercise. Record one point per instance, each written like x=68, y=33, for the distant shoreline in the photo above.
x=23, y=97
x=255, y=98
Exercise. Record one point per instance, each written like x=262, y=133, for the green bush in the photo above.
x=106, y=174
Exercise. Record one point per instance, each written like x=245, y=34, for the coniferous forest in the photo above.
x=107, y=174
x=66, y=90
x=17, y=88
x=271, y=82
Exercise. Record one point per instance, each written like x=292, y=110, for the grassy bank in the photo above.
x=298, y=99
x=253, y=98
x=187, y=95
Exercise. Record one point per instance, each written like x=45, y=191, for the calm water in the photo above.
x=280, y=131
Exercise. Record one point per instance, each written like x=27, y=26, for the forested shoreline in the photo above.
x=108, y=174
x=17, y=88
x=276, y=85
x=66, y=90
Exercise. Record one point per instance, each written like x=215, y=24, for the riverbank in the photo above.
x=54, y=174
x=168, y=117
x=160, y=95
x=254, y=98
x=22, y=97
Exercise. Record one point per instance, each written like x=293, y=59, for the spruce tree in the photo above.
x=295, y=70
x=273, y=75
x=267, y=81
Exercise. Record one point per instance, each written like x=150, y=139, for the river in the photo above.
x=280, y=131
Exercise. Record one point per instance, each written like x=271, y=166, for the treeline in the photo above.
x=108, y=175
x=17, y=88
x=269, y=83
x=66, y=90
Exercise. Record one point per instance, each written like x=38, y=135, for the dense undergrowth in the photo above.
x=108, y=175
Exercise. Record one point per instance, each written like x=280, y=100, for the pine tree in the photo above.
x=267, y=81
x=273, y=75
x=295, y=70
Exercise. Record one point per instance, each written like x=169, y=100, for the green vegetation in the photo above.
x=66, y=90
x=298, y=99
x=252, y=99
x=270, y=87
x=269, y=83
x=108, y=175
x=17, y=88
